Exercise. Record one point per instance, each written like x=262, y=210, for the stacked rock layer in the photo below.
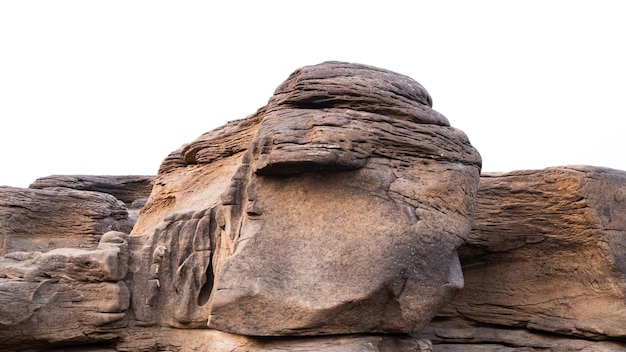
x=329, y=220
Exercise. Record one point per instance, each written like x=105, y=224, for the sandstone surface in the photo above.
x=128, y=189
x=66, y=295
x=546, y=254
x=334, y=212
x=46, y=219
x=335, y=209
x=329, y=220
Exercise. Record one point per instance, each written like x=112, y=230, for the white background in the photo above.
x=112, y=87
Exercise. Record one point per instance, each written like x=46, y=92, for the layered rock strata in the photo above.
x=335, y=209
x=328, y=220
x=64, y=259
x=129, y=189
x=46, y=219
x=545, y=256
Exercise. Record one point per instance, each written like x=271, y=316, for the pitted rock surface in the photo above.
x=335, y=209
x=327, y=220
x=546, y=254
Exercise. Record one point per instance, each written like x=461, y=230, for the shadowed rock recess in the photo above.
x=329, y=220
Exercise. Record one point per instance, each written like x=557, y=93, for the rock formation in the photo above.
x=308, y=217
x=334, y=210
x=329, y=220
x=64, y=257
x=544, y=265
x=128, y=189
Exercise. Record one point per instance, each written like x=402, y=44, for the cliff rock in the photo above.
x=46, y=219
x=129, y=189
x=545, y=262
x=335, y=209
x=328, y=220
x=345, y=215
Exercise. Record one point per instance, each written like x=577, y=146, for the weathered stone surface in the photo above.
x=547, y=254
x=192, y=340
x=128, y=189
x=456, y=334
x=67, y=295
x=317, y=215
x=328, y=221
x=132, y=190
x=45, y=219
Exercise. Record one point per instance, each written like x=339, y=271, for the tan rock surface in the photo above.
x=333, y=212
x=45, y=219
x=66, y=295
x=128, y=189
x=547, y=254
x=319, y=214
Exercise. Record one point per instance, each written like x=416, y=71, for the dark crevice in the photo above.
x=205, y=291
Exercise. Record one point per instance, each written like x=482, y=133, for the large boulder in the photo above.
x=335, y=209
x=546, y=254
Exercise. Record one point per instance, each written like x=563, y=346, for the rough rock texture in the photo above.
x=132, y=190
x=62, y=269
x=128, y=189
x=192, y=340
x=335, y=209
x=45, y=219
x=547, y=253
x=329, y=220
x=66, y=295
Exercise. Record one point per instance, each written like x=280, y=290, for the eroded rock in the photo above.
x=546, y=254
x=45, y=219
x=128, y=189
x=66, y=295
x=328, y=220
x=335, y=209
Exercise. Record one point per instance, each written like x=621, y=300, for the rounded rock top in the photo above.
x=343, y=85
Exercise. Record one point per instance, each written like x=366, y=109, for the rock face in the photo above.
x=64, y=295
x=62, y=269
x=128, y=189
x=69, y=211
x=546, y=256
x=339, y=211
x=42, y=220
x=328, y=220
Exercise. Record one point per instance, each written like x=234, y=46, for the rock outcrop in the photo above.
x=318, y=215
x=64, y=259
x=46, y=219
x=128, y=189
x=69, y=211
x=329, y=220
x=544, y=265
x=66, y=295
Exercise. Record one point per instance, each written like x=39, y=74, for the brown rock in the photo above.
x=64, y=296
x=328, y=220
x=192, y=340
x=456, y=334
x=335, y=209
x=128, y=189
x=42, y=220
x=547, y=254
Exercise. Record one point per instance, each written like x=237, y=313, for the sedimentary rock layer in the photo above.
x=546, y=254
x=45, y=219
